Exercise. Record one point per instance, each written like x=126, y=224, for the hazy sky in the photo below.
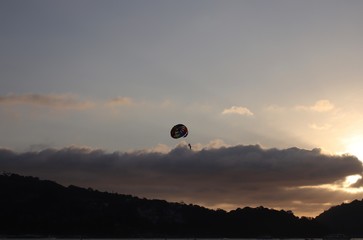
x=112, y=77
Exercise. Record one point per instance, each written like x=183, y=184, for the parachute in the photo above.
x=179, y=131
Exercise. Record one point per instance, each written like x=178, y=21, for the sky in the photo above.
x=271, y=92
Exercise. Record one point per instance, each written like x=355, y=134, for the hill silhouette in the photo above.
x=33, y=207
x=345, y=218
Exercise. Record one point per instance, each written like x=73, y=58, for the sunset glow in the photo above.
x=354, y=146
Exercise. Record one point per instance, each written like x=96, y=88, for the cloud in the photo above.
x=233, y=176
x=319, y=106
x=59, y=101
x=238, y=110
x=358, y=183
x=117, y=101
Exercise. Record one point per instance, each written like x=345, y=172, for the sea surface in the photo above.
x=2, y=238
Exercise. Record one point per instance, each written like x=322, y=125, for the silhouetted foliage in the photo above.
x=345, y=218
x=29, y=206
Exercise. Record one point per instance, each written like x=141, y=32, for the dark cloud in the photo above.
x=234, y=176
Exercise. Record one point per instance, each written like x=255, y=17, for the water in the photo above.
x=52, y=238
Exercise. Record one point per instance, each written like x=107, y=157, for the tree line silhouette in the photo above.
x=33, y=207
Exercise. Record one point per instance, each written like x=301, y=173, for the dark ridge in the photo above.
x=346, y=218
x=33, y=207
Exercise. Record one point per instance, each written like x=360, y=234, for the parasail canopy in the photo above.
x=179, y=131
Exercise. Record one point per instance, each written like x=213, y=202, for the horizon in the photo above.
x=269, y=90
